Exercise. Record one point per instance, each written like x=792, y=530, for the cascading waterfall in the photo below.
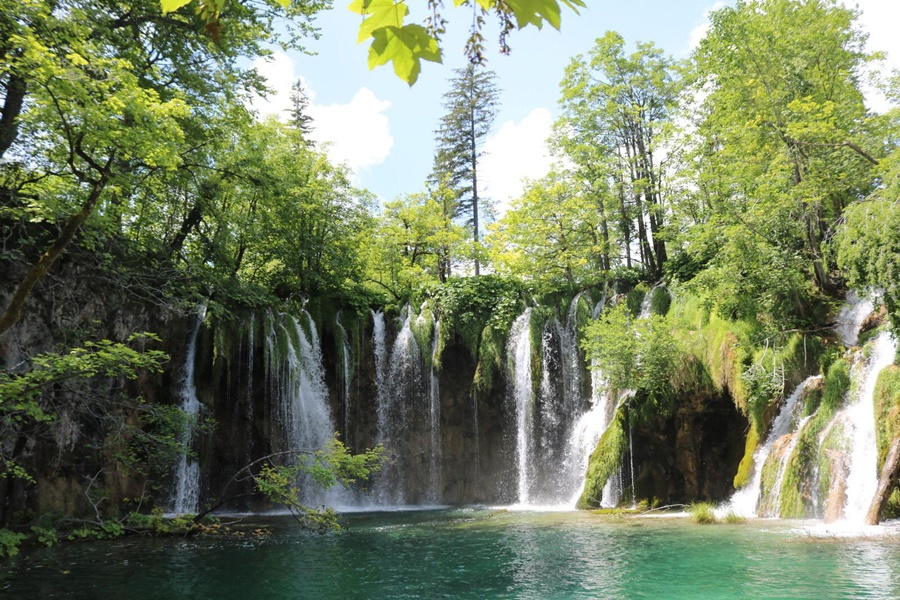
x=519, y=351
x=251, y=345
x=187, y=471
x=849, y=320
x=380, y=343
x=862, y=479
x=846, y=442
x=589, y=428
x=645, y=303
x=302, y=420
x=403, y=411
x=745, y=502
x=775, y=494
x=345, y=375
x=434, y=397
x=554, y=434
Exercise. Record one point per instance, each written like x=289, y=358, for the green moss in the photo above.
x=604, y=461
x=768, y=479
x=837, y=384
x=745, y=469
x=422, y=326
x=891, y=508
x=660, y=301
x=887, y=410
x=491, y=353
x=635, y=298
x=584, y=313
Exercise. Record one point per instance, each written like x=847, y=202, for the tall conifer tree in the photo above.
x=471, y=104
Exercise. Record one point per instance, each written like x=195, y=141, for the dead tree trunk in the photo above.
x=885, y=483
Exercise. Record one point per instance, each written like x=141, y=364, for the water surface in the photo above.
x=473, y=553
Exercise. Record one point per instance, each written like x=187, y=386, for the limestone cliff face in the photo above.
x=77, y=450
x=691, y=454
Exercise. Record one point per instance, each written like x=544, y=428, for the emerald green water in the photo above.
x=472, y=554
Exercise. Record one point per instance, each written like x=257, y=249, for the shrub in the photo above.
x=703, y=513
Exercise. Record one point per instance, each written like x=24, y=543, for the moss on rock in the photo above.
x=604, y=461
x=745, y=469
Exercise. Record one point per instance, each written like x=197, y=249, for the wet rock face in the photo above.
x=693, y=454
x=838, y=468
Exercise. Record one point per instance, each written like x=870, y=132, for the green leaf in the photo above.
x=405, y=47
x=535, y=12
x=382, y=13
x=172, y=5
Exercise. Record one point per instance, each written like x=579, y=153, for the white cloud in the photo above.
x=356, y=133
x=278, y=71
x=699, y=31
x=515, y=152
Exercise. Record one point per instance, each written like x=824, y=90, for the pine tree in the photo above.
x=300, y=118
x=471, y=105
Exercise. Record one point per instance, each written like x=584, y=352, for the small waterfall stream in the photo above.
x=344, y=341
x=434, y=402
x=519, y=351
x=745, y=501
x=862, y=479
x=187, y=470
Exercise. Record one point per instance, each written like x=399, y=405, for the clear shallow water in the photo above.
x=473, y=554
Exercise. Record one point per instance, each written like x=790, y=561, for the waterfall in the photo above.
x=850, y=318
x=403, y=412
x=302, y=420
x=251, y=339
x=345, y=375
x=434, y=397
x=745, y=501
x=519, y=351
x=775, y=495
x=645, y=303
x=588, y=429
x=862, y=479
x=380, y=343
x=187, y=470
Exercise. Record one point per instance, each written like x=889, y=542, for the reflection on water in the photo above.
x=473, y=554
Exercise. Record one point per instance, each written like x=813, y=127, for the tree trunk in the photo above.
x=12, y=108
x=14, y=311
x=886, y=483
x=474, y=166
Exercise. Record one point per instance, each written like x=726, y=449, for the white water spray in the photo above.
x=519, y=348
x=862, y=479
x=187, y=470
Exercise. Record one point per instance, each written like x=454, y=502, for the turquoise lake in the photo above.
x=474, y=553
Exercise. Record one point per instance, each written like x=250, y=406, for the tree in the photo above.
x=616, y=110
x=107, y=92
x=410, y=242
x=299, y=112
x=867, y=245
x=471, y=106
x=782, y=144
x=551, y=234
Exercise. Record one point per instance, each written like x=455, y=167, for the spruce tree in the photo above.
x=300, y=118
x=471, y=104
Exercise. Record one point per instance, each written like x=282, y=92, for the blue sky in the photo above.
x=384, y=129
